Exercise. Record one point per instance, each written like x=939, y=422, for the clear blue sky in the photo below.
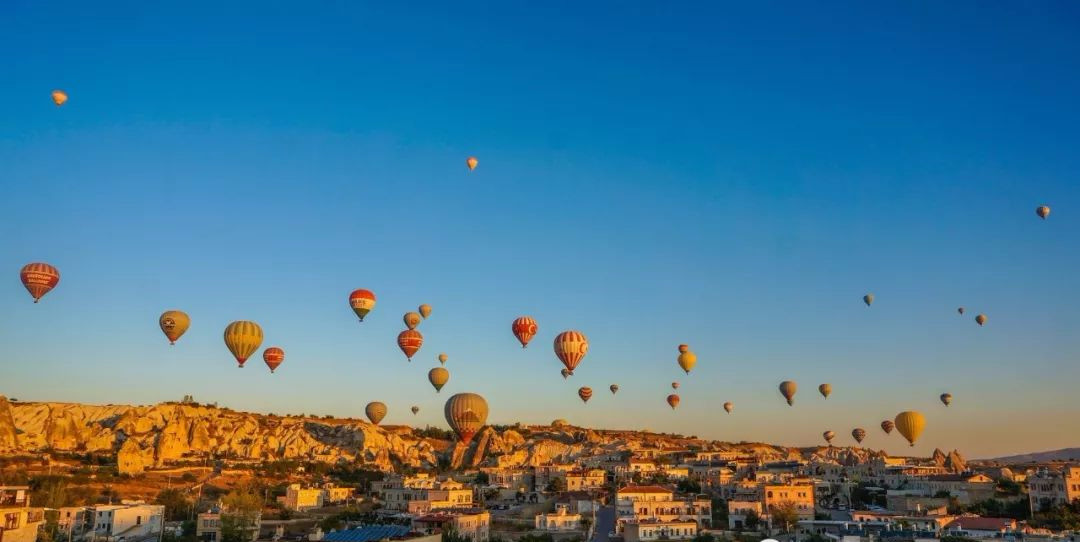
x=731, y=176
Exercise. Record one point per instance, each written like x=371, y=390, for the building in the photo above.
x=559, y=520
x=1047, y=489
x=208, y=526
x=581, y=480
x=336, y=495
x=76, y=519
x=967, y=488
x=980, y=527
x=471, y=523
x=300, y=499
x=654, y=529
x=446, y=494
x=800, y=495
x=18, y=521
x=127, y=521
x=640, y=503
x=740, y=511
x=544, y=474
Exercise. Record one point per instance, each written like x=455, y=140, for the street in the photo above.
x=605, y=523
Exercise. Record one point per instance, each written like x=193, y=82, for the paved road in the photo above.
x=605, y=523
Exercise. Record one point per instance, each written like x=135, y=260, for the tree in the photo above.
x=752, y=520
x=784, y=514
x=177, y=506
x=703, y=537
x=556, y=485
x=689, y=486
x=482, y=478
x=239, y=511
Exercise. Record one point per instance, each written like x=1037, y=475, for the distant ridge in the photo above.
x=1064, y=454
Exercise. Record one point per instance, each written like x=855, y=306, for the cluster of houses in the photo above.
x=129, y=521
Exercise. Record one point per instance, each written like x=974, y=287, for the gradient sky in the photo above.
x=734, y=176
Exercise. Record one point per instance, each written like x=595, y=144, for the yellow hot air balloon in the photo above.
x=438, y=378
x=828, y=436
x=411, y=320
x=59, y=97
x=729, y=406
x=980, y=319
x=1043, y=211
x=946, y=398
x=466, y=413
x=910, y=424
x=472, y=162
x=687, y=360
x=375, y=411
x=825, y=390
x=788, y=389
x=868, y=299
x=443, y=358
x=174, y=324
x=425, y=310
x=243, y=338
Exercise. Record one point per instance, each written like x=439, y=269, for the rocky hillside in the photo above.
x=153, y=436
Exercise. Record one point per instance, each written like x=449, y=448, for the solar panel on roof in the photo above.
x=371, y=533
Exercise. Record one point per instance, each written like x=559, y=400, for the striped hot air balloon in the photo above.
x=858, y=434
x=828, y=436
x=410, y=341
x=571, y=347
x=887, y=426
x=466, y=413
x=585, y=393
x=524, y=328
x=375, y=411
x=39, y=278
x=273, y=357
x=362, y=301
x=673, y=401
x=243, y=338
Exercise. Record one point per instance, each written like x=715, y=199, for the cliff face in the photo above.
x=9, y=439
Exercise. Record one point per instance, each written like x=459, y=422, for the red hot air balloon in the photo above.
x=39, y=278
x=673, y=401
x=273, y=357
x=571, y=347
x=362, y=301
x=410, y=341
x=524, y=329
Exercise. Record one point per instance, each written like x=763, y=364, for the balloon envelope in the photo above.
x=674, y=385
x=828, y=436
x=243, y=338
x=273, y=357
x=729, y=406
x=425, y=310
x=614, y=388
x=980, y=319
x=571, y=347
x=858, y=434
x=1043, y=211
x=687, y=361
x=471, y=162
x=946, y=398
x=39, y=278
x=565, y=373
x=910, y=424
x=825, y=390
x=375, y=412
x=409, y=341
x=443, y=358
x=788, y=389
x=362, y=301
x=411, y=319
x=438, y=378
x=868, y=299
x=524, y=328
x=466, y=413
x=585, y=393
x=174, y=324
x=59, y=97
x=887, y=426
x=673, y=401
x=415, y=409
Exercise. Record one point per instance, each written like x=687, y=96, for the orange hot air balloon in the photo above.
x=1043, y=211
x=362, y=301
x=173, y=324
x=729, y=406
x=411, y=320
x=674, y=385
x=673, y=401
x=466, y=413
x=565, y=373
x=524, y=329
x=243, y=338
x=585, y=393
x=410, y=341
x=59, y=97
x=375, y=411
x=443, y=358
x=425, y=310
x=887, y=426
x=684, y=348
x=788, y=389
x=273, y=357
x=472, y=162
x=438, y=378
x=980, y=319
x=825, y=390
x=570, y=347
x=39, y=278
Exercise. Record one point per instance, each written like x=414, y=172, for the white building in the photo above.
x=127, y=521
x=559, y=520
x=644, y=530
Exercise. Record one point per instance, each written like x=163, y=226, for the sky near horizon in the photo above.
x=731, y=176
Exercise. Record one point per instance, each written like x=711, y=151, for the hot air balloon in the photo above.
x=674, y=385
x=411, y=320
x=788, y=389
x=729, y=406
x=362, y=301
x=673, y=401
x=825, y=390
x=39, y=278
x=946, y=398
x=868, y=299
x=980, y=319
x=858, y=434
x=1043, y=211
x=960, y=310
x=684, y=348
x=443, y=358
x=828, y=436
x=425, y=310
x=887, y=426
x=585, y=393
x=273, y=357
x=910, y=424
x=471, y=162
x=59, y=97
x=174, y=324
x=243, y=338
x=414, y=410
x=524, y=328
x=466, y=413
x=438, y=378
x=410, y=341
x=614, y=388
x=571, y=347
x=565, y=373
x=687, y=360
x=375, y=412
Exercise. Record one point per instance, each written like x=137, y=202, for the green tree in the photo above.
x=703, y=537
x=239, y=511
x=556, y=485
x=49, y=491
x=784, y=515
x=689, y=486
x=177, y=506
x=482, y=478
x=753, y=520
